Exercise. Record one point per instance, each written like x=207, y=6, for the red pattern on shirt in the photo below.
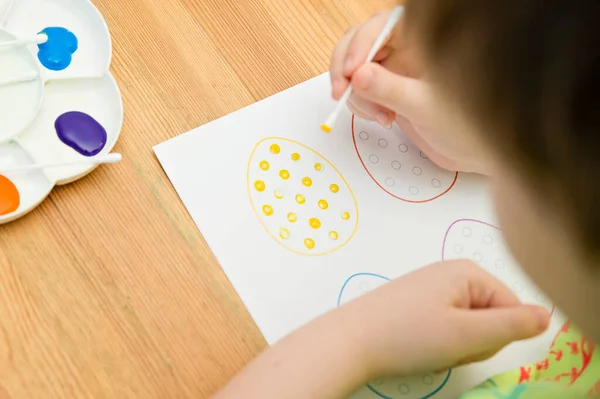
x=525, y=375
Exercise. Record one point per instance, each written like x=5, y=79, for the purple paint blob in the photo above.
x=81, y=132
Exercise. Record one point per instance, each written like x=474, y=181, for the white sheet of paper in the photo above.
x=294, y=248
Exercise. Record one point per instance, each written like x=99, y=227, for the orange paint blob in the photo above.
x=9, y=196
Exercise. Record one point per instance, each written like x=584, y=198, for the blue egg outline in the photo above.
x=357, y=275
x=371, y=388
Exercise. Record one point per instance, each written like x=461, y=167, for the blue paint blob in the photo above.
x=81, y=132
x=57, y=52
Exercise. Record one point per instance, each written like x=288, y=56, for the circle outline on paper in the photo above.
x=382, y=187
x=371, y=386
x=249, y=187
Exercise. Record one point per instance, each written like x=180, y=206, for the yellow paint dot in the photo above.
x=275, y=149
x=284, y=233
x=323, y=204
x=284, y=174
x=314, y=223
x=307, y=181
x=334, y=188
x=264, y=165
x=309, y=243
x=295, y=156
x=300, y=199
x=267, y=210
x=278, y=194
x=259, y=185
x=334, y=235
x=292, y=217
x=345, y=216
x=318, y=167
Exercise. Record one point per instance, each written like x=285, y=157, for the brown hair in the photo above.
x=528, y=73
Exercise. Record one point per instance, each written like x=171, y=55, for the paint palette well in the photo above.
x=97, y=98
x=19, y=103
x=66, y=115
x=92, y=57
x=29, y=188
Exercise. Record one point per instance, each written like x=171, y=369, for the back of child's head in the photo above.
x=527, y=73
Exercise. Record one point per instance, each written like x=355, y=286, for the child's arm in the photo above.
x=432, y=319
x=321, y=360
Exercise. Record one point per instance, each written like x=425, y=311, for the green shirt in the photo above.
x=571, y=370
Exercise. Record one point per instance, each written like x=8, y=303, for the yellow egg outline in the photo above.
x=249, y=187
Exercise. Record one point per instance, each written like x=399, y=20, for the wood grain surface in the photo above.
x=107, y=290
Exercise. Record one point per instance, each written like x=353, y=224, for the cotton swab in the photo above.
x=105, y=159
x=20, y=79
x=38, y=39
x=383, y=36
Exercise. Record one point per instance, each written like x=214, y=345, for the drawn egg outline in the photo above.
x=381, y=185
x=371, y=386
x=324, y=161
x=373, y=276
x=479, y=222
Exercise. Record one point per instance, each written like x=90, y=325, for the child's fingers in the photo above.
x=370, y=111
x=362, y=42
x=484, y=330
x=405, y=96
x=383, y=54
x=339, y=82
x=358, y=111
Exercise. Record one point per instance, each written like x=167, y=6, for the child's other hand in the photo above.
x=391, y=89
x=438, y=317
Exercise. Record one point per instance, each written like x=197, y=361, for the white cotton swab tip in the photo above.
x=383, y=36
x=109, y=158
x=103, y=159
x=41, y=38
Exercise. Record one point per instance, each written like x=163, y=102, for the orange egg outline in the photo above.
x=383, y=188
x=248, y=185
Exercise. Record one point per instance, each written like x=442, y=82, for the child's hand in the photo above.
x=390, y=89
x=438, y=317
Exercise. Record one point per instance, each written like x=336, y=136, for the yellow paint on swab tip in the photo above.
x=383, y=36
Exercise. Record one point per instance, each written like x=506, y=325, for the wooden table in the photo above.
x=107, y=290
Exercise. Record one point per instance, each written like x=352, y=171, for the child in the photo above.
x=509, y=89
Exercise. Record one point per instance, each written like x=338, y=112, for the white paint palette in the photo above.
x=73, y=109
